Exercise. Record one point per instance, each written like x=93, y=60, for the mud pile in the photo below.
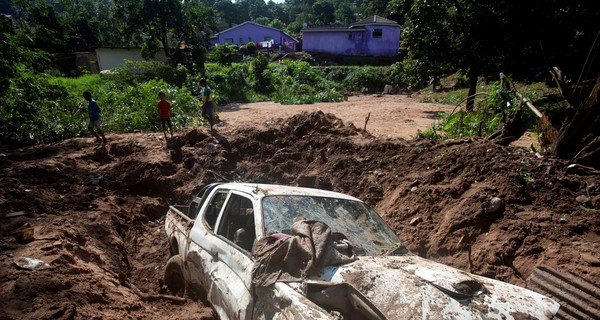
x=97, y=214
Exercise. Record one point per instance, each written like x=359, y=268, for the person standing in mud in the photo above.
x=207, y=103
x=94, y=113
x=164, y=110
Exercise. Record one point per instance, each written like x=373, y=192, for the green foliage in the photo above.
x=224, y=55
x=36, y=110
x=296, y=83
x=150, y=48
x=371, y=78
x=260, y=74
x=134, y=107
x=134, y=72
x=409, y=72
x=227, y=84
x=250, y=48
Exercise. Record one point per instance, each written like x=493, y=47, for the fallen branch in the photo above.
x=152, y=297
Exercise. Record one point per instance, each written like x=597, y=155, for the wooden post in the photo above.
x=366, y=121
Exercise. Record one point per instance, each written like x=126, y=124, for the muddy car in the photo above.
x=276, y=252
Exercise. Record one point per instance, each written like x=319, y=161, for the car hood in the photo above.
x=410, y=287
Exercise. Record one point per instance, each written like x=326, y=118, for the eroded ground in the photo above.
x=98, y=213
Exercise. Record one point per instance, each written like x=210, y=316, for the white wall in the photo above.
x=108, y=58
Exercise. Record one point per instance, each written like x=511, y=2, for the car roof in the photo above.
x=263, y=190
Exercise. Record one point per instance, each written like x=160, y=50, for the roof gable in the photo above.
x=256, y=24
x=375, y=20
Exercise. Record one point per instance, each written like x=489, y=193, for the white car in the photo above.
x=212, y=240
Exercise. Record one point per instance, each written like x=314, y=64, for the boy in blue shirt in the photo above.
x=94, y=112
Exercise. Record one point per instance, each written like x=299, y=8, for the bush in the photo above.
x=295, y=82
x=225, y=55
x=259, y=71
x=134, y=108
x=134, y=72
x=37, y=110
x=250, y=48
x=228, y=84
x=372, y=78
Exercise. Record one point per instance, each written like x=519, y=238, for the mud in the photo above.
x=97, y=213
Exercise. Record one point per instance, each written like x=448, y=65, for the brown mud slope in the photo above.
x=98, y=213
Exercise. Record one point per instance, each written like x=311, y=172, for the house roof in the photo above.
x=216, y=35
x=375, y=20
x=333, y=30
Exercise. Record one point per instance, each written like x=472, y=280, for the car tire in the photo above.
x=174, y=276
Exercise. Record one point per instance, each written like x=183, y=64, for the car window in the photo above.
x=237, y=223
x=357, y=221
x=214, y=208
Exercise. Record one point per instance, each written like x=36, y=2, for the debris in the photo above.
x=29, y=263
x=16, y=214
x=415, y=221
x=494, y=205
x=23, y=234
x=563, y=219
x=590, y=259
x=582, y=199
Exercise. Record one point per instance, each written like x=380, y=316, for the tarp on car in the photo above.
x=288, y=258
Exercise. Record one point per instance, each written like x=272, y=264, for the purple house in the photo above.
x=257, y=33
x=374, y=36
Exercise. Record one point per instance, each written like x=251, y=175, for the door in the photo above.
x=225, y=256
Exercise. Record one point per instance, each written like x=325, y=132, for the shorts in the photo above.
x=208, y=108
x=94, y=123
x=164, y=121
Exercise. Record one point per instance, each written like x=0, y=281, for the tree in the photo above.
x=323, y=12
x=277, y=24
x=155, y=19
x=343, y=13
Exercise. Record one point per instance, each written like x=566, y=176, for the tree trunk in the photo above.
x=578, y=137
x=472, y=92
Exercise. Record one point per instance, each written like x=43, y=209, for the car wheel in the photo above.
x=174, y=277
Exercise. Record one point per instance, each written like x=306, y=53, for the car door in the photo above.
x=225, y=254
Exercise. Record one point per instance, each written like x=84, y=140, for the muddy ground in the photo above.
x=97, y=213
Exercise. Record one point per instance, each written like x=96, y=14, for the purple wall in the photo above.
x=361, y=41
x=347, y=42
x=249, y=31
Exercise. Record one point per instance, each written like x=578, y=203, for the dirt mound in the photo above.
x=98, y=213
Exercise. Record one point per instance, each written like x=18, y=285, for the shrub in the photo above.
x=224, y=55
x=134, y=72
x=372, y=78
x=260, y=73
x=250, y=48
x=38, y=110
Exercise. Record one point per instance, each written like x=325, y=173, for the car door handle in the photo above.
x=214, y=254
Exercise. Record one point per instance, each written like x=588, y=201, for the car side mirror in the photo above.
x=190, y=223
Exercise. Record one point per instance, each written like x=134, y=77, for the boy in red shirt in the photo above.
x=164, y=110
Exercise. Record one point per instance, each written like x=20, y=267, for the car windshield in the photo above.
x=357, y=221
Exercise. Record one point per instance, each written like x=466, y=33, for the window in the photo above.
x=237, y=223
x=241, y=40
x=377, y=33
x=214, y=207
x=229, y=41
x=268, y=38
x=249, y=39
x=349, y=36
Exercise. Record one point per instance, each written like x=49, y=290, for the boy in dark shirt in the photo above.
x=94, y=113
x=164, y=110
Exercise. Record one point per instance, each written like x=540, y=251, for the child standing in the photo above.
x=207, y=103
x=164, y=110
x=94, y=113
